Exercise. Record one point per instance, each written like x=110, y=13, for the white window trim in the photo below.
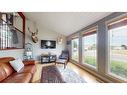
x=75, y=37
x=108, y=73
x=85, y=64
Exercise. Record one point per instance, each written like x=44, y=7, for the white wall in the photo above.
x=18, y=53
x=44, y=34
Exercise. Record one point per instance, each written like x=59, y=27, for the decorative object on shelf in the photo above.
x=34, y=35
x=60, y=39
x=28, y=54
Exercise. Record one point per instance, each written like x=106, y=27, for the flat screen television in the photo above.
x=48, y=44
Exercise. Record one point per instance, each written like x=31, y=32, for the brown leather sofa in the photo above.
x=9, y=75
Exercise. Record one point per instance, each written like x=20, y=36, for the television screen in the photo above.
x=48, y=44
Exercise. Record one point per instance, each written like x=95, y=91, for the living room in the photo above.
x=42, y=35
x=45, y=43
x=63, y=47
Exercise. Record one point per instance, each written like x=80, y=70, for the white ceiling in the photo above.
x=65, y=23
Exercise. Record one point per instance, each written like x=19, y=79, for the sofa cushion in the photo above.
x=28, y=69
x=2, y=73
x=17, y=64
x=5, y=70
x=6, y=59
x=18, y=78
x=8, y=69
x=5, y=67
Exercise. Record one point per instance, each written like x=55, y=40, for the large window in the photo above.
x=75, y=49
x=90, y=48
x=118, y=48
x=11, y=33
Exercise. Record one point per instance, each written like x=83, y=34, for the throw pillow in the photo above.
x=17, y=64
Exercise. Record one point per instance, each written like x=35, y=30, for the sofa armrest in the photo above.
x=29, y=62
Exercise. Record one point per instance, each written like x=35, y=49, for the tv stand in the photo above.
x=48, y=58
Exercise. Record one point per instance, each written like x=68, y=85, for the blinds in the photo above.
x=5, y=36
x=75, y=36
x=10, y=37
x=118, y=23
x=90, y=31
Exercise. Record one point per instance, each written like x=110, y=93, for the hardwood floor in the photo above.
x=87, y=76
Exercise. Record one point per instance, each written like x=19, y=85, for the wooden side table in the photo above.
x=29, y=61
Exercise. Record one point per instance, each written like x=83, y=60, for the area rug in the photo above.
x=53, y=74
x=50, y=74
x=69, y=76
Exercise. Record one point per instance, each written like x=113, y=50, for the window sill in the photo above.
x=74, y=61
x=106, y=77
x=89, y=67
x=116, y=78
x=85, y=65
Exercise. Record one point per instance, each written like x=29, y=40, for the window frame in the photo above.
x=17, y=30
x=90, y=32
x=76, y=37
x=107, y=66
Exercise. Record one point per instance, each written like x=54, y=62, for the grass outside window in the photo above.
x=118, y=68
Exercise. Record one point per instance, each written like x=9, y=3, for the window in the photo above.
x=11, y=37
x=117, y=32
x=5, y=37
x=75, y=49
x=89, y=48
